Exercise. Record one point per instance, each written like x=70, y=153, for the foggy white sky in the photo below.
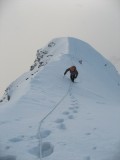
x=26, y=25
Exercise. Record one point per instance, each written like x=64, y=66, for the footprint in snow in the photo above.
x=71, y=108
x=100, y=102
x=17, y=139
x=75, y=111
x=88, y=133
x=71, y=117
x=76, y=107
x=59, y=120
x=87, y=158
x=66, y=113
x=47, y=149
x=43, y=134
x=74, y=101
x=10, y=157
x=62, y=126
x=18, y=119
x=7, y=147
x=3, y=122
x=94, y=148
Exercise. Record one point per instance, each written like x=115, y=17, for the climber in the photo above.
x=73, y=72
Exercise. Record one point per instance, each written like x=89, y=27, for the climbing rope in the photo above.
x=49, y=113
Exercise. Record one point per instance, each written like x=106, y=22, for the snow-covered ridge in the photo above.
x=78, y=50
x=43, y=56
x=50, y=118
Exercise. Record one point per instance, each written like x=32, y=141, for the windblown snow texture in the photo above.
x=43, y=115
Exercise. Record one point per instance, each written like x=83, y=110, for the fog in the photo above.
x=27, y=25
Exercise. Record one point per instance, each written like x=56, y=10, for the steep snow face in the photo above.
x=49, y=117
x=100, y=70
x=96, y=69
x=52, y=51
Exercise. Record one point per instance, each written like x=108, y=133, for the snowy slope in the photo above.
x=50, y=118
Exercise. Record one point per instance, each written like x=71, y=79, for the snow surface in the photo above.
x=49, y=117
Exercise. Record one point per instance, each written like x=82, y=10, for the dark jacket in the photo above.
x=73, y=71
